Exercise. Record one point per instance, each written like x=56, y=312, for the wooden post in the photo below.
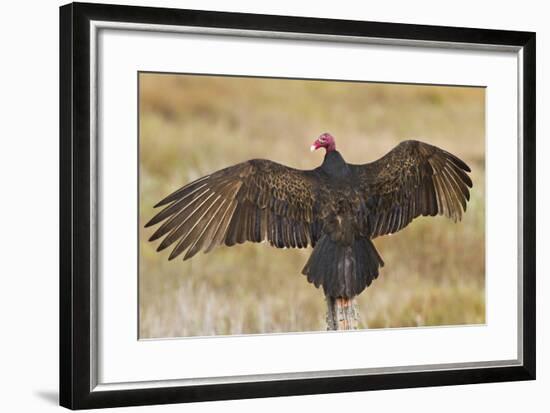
x=342, y=313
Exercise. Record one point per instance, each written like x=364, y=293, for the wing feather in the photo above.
x=411, y=180
x=257, y=200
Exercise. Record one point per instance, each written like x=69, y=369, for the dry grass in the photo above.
x=193, y=125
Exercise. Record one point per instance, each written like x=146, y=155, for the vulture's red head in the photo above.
x=326, y=140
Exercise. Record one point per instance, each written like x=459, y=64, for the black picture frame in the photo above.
x=75, y=219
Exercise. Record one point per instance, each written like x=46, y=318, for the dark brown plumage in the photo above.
x=337, y=208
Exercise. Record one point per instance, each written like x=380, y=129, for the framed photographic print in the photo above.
x=258, y=205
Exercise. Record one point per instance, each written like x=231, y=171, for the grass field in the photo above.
x=193, y=125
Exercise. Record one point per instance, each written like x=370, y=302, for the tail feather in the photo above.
x=343, y=271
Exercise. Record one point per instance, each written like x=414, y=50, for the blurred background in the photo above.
x=193, y=125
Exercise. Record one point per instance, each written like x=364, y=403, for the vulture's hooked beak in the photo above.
x=312, y=148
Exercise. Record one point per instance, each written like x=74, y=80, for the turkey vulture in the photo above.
x=337, y=208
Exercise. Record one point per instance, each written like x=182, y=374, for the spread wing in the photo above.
x=413, y=179
x=254, y=201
